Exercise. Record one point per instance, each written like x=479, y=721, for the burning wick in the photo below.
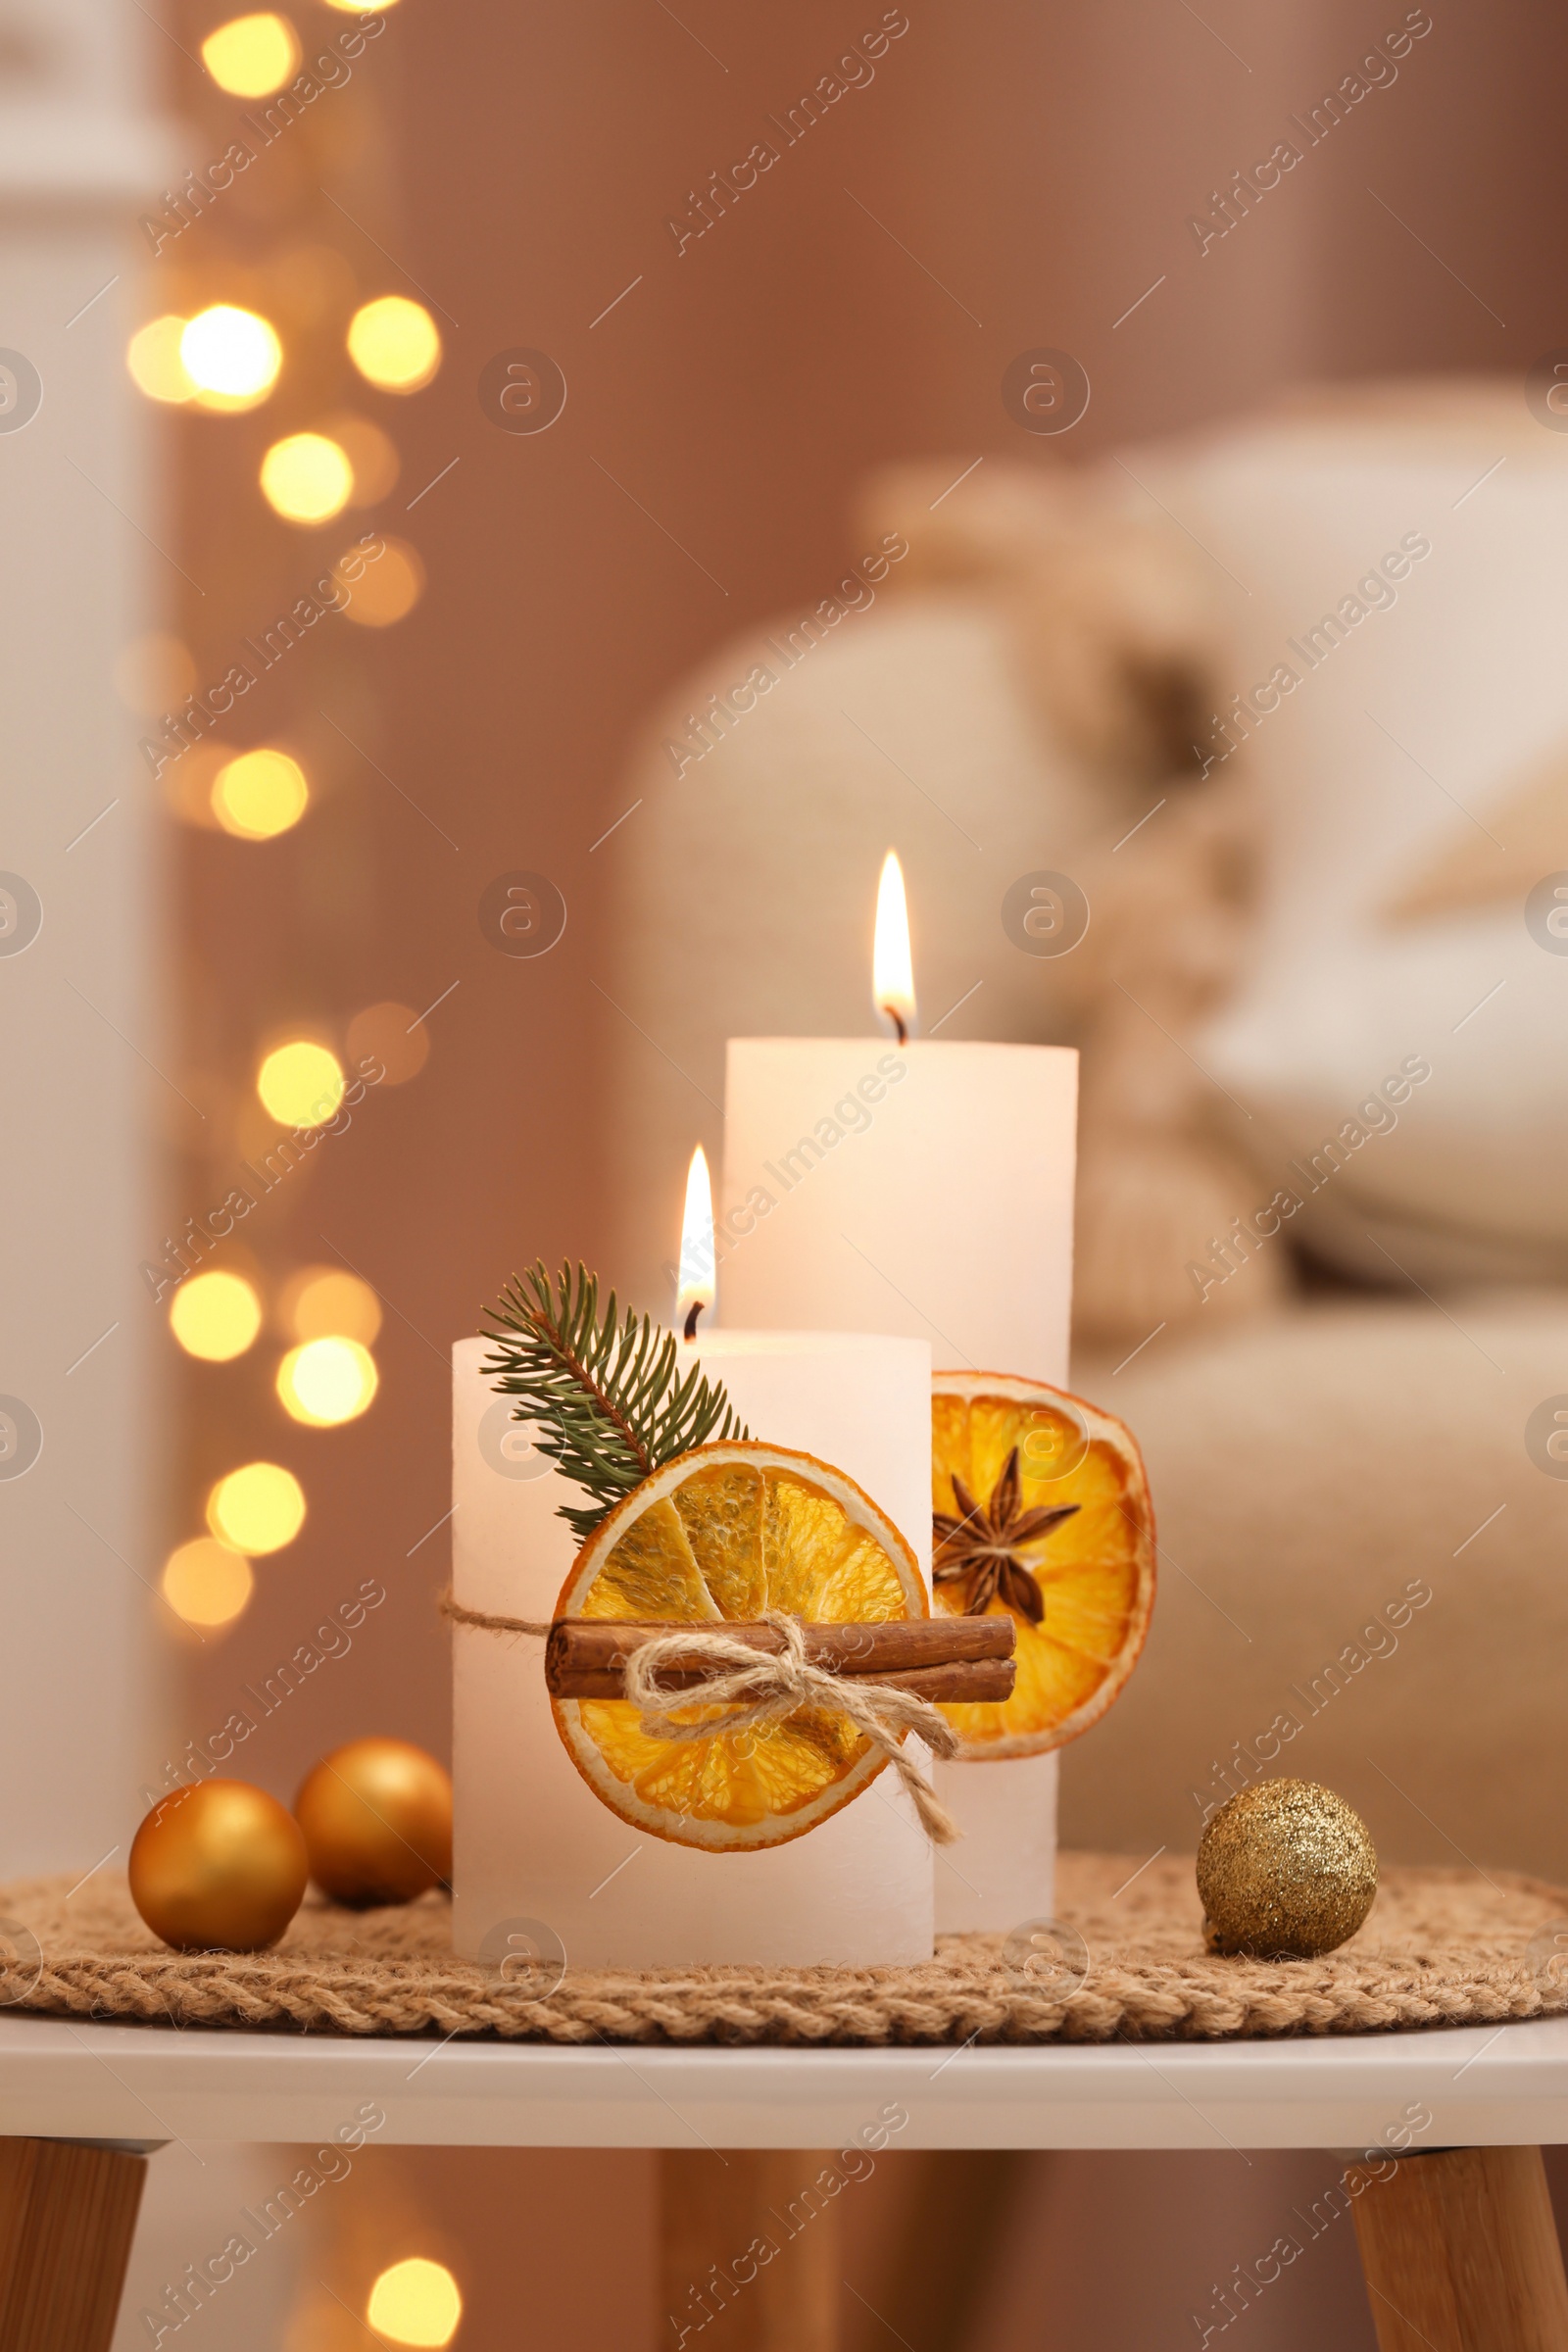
x=892, y=970
x=696, y=1289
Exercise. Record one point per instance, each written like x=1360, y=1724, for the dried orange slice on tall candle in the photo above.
x=732, y=1532
x=1040, y=1508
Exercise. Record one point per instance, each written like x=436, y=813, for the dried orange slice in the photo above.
x=732, y=1531
x=1041, y=1510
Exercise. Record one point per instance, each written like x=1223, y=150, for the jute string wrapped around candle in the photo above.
x=763, y=1688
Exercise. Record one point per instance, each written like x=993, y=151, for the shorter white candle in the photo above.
x=532, y=1841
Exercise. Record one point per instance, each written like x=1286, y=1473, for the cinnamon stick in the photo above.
x=584, y=1656
x=887, y=1646
x=972, y=1679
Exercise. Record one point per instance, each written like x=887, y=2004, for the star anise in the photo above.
x=981, y=1549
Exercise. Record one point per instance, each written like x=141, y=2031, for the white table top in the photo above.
x=1482, y=2086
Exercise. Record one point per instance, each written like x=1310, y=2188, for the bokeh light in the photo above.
x=320, y=1302
x=395, y=343
x=311, y=284
x=386, y=589
x=207, y=1583
x=395, y=1037
x=251, y=56
x=326, y=1381
x=416, y=2302
x=307, y=478
x=257, y=1508
x=371, y=453
x=362, y=8
x=153, y=357
x=301, y=1083
x=215, y=1316
x=231, y=355
x=259, y=794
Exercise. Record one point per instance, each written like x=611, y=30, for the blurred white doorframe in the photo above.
x=87, y=1083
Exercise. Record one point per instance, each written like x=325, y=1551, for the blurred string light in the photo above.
x=153, y=357
x=215, y=1316
x=301, y=1083
x=395, y=1036
x=319, y=1302
x=307, y=478
x=259, y=794
x=229, y=358
x=207, y=1583
x=328, y=1380
x=395, y=343
x=251, y=56
x=362, y=8
x=257, y=1508
x=416, y=2302
x=231, y=355
x=370, y=452
x=314, y=280
x=389, y=588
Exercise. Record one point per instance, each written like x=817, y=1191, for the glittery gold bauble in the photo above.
x=219, y=1866
x=377, y=1820
x=1286, y=1870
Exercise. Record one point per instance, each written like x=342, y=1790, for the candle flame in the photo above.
x=891, y=970
x=697, y=1279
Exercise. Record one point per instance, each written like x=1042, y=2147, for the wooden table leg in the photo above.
x=953, y=2209
x=749, y=2250
x=68, y=2213
x=1460, y=2252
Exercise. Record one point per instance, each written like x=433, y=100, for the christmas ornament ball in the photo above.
x=219, y=1866
x=378, y=1822
x=1286, y=1870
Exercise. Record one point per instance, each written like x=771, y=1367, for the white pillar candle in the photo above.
x=925, y=1188
x=532, y=1841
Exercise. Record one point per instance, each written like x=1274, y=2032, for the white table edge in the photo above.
x=1476, y=2086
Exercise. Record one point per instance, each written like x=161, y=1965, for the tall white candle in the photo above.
x=532, y=1841
x=926, y=1189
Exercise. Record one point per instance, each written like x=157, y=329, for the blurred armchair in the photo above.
x=1307, y=777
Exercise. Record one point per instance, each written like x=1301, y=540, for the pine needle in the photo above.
x=608, y=1394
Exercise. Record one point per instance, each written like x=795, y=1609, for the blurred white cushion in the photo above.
x=1389, y=755
x=1465, y=1175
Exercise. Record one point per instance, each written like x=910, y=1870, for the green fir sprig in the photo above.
x=608, y=1394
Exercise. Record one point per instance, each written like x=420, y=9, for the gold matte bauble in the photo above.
x=377, y=1820
x=1286, y=1870
x=219, y=1867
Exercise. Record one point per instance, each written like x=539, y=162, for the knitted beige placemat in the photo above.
x=1442, y=1947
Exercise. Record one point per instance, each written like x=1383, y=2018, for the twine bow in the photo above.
x=764, y=1687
